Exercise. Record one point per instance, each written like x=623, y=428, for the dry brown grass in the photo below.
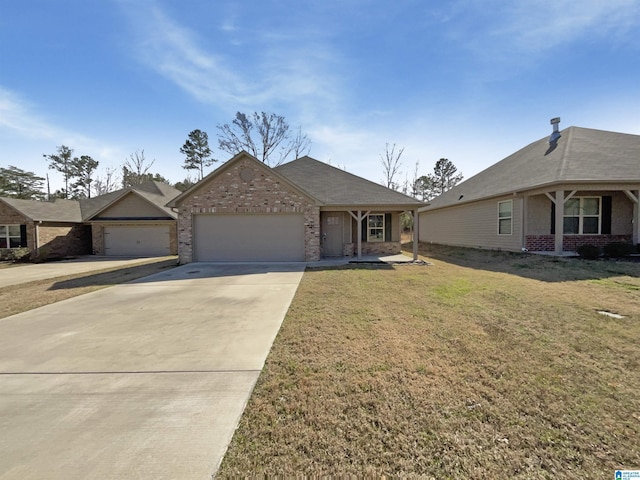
x=27, y=296
x=484, y=365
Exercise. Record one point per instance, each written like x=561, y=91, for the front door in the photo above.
x=332, y=235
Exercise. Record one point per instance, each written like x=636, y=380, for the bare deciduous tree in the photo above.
x=105, y=183
x=262, y=135
x=135, y=169
x=391, y=165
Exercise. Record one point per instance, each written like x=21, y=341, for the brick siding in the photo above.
x=63, y=240
x=247, y=187
x=546, y=243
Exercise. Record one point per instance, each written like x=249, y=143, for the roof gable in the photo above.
x=333, y=186
x=240, y=157
x=581, y=155
x=154, y=194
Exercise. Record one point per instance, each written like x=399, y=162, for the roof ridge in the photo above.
x=566, y=150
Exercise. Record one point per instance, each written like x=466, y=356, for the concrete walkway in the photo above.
x=144, y=380
x=15, y=275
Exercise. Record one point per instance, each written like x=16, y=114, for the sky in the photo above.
x=468, y=80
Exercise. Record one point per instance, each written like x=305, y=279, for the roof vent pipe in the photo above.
x=555, y=135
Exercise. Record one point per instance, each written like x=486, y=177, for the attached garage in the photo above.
x=248, y=238
x=134, y=241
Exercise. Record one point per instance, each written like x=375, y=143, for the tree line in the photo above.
x=266, y=136
x=424, y=187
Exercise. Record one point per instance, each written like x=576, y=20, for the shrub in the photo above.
x=618, y=249
x=588, y=252
x=15, y=254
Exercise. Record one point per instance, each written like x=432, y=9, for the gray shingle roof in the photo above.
x=581, y=155
x=78, y=211
x=57, y=211
x=155, y=192
x=333, y=186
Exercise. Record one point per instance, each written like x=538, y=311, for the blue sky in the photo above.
x=469, y=80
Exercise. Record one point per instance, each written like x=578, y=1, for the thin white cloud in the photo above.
x=20, y=118
x=524, y=30
x=288, y=71
x=541, y=25
x=17, y=115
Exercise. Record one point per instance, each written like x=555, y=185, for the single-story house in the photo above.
x=579, y=186
x=132, y=221
x=47, y=229
x=299, y=211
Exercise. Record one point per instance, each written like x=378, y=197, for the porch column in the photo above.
x=416, y=234
x=358, y=218
x=635, y=198
x=524, y=227
x=559, y=235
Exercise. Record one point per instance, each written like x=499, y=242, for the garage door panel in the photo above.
x=245, y=238
x=147, y=241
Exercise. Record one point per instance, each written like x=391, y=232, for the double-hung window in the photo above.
x=582, y=216
x=375, y=228
x=505, y=217
x=10, y=236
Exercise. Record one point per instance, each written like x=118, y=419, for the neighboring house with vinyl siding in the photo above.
x=579, y=186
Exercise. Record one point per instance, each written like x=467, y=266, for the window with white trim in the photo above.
x=375, y=228
x=582, y=216
x=505, y=217
x=10, y=236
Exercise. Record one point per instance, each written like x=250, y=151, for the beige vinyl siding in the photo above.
x=539, y=215
x=622, y=217
x=472, y=225
x=132, y=206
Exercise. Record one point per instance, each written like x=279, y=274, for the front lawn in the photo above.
x=483, y=365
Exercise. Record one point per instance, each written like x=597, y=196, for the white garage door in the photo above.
x=143, y=241
x=248, y=238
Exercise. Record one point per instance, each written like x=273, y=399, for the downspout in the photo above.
x=37, y=237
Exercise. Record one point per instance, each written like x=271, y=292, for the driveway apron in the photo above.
x=141, y=380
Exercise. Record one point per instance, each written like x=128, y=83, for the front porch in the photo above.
x=355, y=234
x=565, y=219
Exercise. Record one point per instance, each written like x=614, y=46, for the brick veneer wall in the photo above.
x=63, y=240
x=372, y=248
x=570, y=243
x=247, y=187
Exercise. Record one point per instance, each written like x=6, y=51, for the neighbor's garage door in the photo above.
x=145, y=241
x=248, y=238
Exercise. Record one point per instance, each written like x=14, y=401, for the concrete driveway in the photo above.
x=41, y=271
x=141, y=380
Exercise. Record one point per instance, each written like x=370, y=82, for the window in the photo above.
x=10, y=236
x=582, y=216
x=375, y=228
x=505, y=217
